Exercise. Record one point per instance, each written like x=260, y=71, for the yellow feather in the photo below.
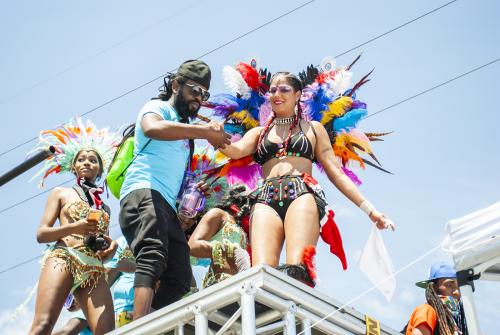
x=337, y=109
x=246, y=119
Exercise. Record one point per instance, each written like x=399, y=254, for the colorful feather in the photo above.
x=349, y=120
x=336, y=109
x=308, y=257
x=248, y=175
x=352, y=176
x=250, y=75
x=235, y=82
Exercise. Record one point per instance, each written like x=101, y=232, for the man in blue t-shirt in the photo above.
x=148, y=213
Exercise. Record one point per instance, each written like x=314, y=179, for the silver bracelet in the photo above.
x=367, y=207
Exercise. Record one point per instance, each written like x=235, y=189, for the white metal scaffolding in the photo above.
x=261, y=300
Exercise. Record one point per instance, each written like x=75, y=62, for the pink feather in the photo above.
x=355, y=132
x=248, y=175
x=352, y=176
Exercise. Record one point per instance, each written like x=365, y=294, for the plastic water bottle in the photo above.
x=187, y=180
x=192, y=201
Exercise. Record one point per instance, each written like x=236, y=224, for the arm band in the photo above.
x=367, y=207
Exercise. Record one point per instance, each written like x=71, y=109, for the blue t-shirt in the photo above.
x=161, y=165
x=123, y=289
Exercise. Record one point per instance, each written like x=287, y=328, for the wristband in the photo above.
x=367, y=207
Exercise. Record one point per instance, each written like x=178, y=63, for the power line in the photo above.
x=15, y=266
x=434, y=87
x=20, y=264
x=86, y=60
x=379, y=111
x=234, y=40
x=396, y=28
x=33, y=197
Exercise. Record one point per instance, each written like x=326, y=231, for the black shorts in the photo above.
x=155, y=236
x=280, y=192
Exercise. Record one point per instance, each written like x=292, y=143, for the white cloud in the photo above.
x=18, y=320
x=407, y=297
x=379, y=309
x=19, y=325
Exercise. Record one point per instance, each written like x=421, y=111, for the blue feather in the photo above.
x=234, y=129
x=349, y=120
x=253, y=104
x=318, y=104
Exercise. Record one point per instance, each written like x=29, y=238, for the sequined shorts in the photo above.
x=280, y=192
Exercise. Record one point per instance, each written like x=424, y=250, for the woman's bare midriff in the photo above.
x=65, y=219
x=276, y=167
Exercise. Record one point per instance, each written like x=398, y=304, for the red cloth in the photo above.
x=331, y=235
x=329, y=231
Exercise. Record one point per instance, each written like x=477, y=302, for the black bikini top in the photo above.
x=299, y=146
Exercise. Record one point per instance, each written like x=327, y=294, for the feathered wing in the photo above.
x=330, y=99
x=242, y=109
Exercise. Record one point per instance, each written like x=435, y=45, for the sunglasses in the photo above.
x=198, y=91
x=281, y=89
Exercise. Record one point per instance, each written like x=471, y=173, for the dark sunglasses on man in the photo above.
x=198, y=91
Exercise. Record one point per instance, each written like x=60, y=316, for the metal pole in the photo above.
x=200, y=321
x=26, y=165
x=289, y=319
x=306, y=327
x=467, y=297
x=229, y=322
x=271, y=327
x=247, y=309
x=180, y=329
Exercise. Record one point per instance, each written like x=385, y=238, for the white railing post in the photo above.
x=306, y=327
x=247, y=308
x=200, y=320
x=289, y=318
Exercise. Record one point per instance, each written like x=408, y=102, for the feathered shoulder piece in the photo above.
x=328, y=97
x=240, y=108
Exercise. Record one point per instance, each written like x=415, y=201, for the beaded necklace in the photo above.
x=284, y=121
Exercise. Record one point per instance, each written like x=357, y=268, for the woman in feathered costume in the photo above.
x=74, y=264
x=221, y=236
x=302, y=125
x=218, y=234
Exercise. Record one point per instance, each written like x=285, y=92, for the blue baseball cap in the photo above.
x=437, y=271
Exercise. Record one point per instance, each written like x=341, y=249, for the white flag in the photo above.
x=377, y=265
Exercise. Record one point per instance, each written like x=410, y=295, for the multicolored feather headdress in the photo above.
x=327, y=97
x=71, y=138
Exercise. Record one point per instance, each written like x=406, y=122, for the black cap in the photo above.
x=196, y=70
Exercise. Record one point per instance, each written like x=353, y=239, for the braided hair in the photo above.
x=446, y=323
x=237, y=203
x=296, y=84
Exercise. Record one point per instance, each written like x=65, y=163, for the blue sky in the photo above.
x=60, y=59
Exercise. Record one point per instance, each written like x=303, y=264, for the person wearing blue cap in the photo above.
x=443, y=312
